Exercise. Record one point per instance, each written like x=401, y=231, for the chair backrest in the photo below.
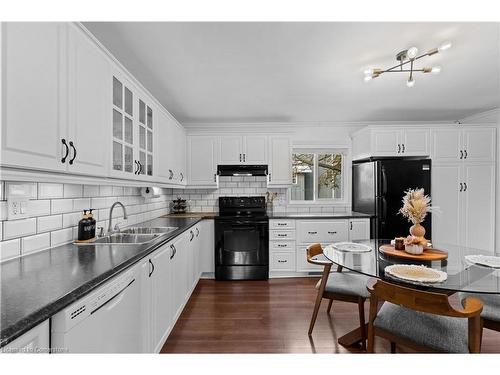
x=313, y=251
x=428, y=302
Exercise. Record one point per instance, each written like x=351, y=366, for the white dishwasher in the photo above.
x=108, y=320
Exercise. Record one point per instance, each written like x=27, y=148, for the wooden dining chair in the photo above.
x=339, y=286
x=422, y=321
x=490, y=316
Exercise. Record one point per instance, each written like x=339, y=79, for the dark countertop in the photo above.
x=36, y=286
x=319, y=215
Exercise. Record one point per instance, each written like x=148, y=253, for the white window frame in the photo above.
x=344, y=201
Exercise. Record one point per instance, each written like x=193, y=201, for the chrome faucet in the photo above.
x=111, y=216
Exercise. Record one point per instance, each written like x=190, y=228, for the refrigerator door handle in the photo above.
x=384, y=182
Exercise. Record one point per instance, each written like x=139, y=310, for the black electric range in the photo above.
x=242, y=239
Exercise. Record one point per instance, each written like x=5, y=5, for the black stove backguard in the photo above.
x=242, y=239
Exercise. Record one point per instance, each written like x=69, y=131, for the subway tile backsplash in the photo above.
x=55, y=209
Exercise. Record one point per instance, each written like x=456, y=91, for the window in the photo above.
x=317, y=176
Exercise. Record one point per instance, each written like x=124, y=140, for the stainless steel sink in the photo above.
x=126, y=239
x=149, y=230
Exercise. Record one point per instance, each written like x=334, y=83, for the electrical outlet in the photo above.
x=17, y=195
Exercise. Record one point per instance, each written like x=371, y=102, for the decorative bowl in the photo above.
x=414, y=249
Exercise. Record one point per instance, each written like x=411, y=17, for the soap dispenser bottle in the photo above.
x=82, y=226
x=91, y=225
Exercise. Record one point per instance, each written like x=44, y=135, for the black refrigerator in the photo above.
x=378, y=187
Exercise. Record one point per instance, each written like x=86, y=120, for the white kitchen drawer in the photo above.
x=301, y=261
x=282, y=235
x=281, y=245
x=324, y=232
x=282, y=224
x=282, y=261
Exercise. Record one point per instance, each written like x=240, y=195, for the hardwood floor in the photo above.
x=269, y=317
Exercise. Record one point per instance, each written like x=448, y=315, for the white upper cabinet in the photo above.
x=391, y=141
x=246, y=149
x=479, y=144
x=446, y=144
x=385, y=142
x=33, y=94
x=280, y=161
x=89, y=92
x=255, y=149
x=463, y=144
x=202, y=160
x=231, y=149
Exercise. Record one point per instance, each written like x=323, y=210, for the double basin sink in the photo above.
x=134, y=236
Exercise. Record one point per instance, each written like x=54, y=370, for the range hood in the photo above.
x=242, y=170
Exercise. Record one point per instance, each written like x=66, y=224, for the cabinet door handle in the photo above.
x=192, y=235
x=461, y=154
x=152, y=268
x=136, y=167
x=197, y=232
x=461, y=187
x=269, y=177
x=465, y=186
x=74, y=152
x=465, y=154
x=182, y=176
x=172, y=247
x=244, y=157
x=240, y=158
x=63, y=159
x=215, y=177
x=351, y=225
x=171, y=174
x=140, y=167
x=399, y=148
x=403, y=145
x=332, y=232
x=312, y=232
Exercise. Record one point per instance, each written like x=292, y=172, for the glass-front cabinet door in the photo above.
x=132, y=132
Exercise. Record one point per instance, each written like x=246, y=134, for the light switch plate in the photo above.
x=17, y=195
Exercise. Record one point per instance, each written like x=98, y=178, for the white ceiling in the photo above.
x=253, y=72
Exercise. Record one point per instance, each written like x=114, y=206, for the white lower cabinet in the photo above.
x=289, y=239
x=359, y=229
x=206, y=248
x=35, y=341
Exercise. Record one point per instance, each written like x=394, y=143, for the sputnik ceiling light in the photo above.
x=408, y=56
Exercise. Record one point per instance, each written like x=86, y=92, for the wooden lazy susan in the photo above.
x=428, y=254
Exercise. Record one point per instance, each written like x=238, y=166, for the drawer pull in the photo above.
x=282, y=261
x=332, y=232
x=281, y=224
x=282, y=235
x=281, y=245
x=312, y=232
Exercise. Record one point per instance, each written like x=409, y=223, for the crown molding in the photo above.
x=491, y=116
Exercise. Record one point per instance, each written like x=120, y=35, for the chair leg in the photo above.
x=329, y=306
x=315, y=311
x=371, y=329
x=393, y=347
x=361, y=308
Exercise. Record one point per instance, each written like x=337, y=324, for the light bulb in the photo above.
x=368, y=72
x=436, y=69
x=368, y=78
x=444, y=46
x=412, y=52
x=410, y=82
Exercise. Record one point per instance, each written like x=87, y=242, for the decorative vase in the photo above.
x=417, y=230
x=269, y=208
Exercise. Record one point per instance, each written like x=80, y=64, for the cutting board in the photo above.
x=426, y=256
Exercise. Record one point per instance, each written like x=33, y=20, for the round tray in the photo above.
x=427, y=255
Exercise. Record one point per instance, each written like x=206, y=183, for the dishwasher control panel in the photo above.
x=83, y=308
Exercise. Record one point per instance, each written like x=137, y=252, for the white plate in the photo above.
x=484, y=260
x=351, y=247
x=412, y=272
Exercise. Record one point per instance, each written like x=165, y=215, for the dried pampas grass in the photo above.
x=416, y=205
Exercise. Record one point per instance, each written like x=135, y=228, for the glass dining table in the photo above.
x=462, y=274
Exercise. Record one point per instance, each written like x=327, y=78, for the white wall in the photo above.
x=491, y=117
